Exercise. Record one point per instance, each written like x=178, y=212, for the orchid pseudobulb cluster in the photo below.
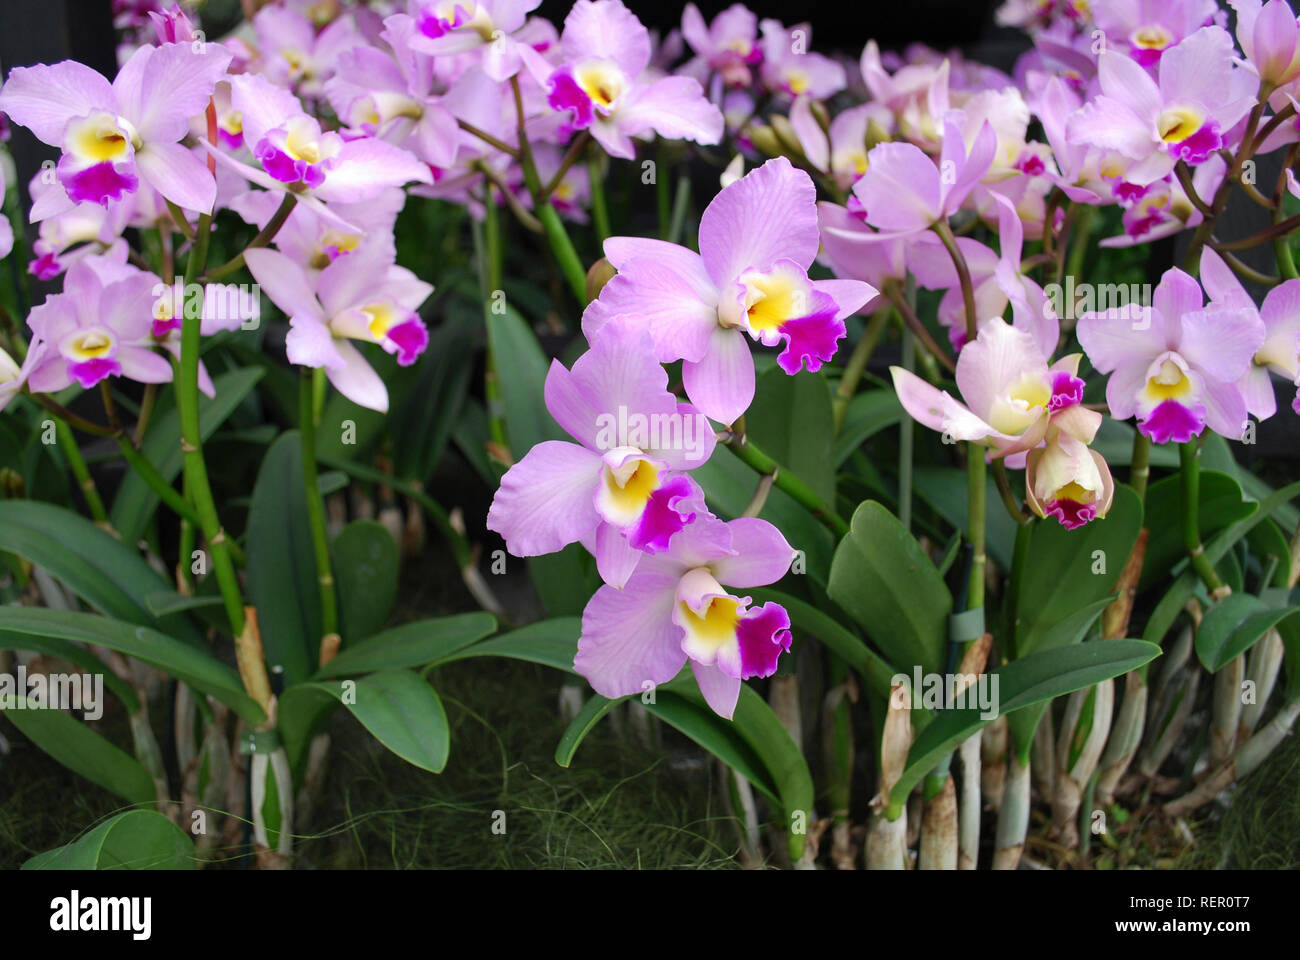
x=314, y=125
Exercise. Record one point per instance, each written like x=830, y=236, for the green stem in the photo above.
x=789, y=482
x=166, y=492
x=681, y=199
x=196, y=469
x=146, y=413
x=1019, y=555
x=1008, y=496
x=263, y=238
x=487, y=268
x=1191, y=491
x=1282, y=250
x=565, y=254
x=906, y=431
x=977, y=494
x=68, y=443
x=1140, y=464
x=599, y=206
x=963, y=276
x=662, y=201
x=857, y=365
x=316, y=506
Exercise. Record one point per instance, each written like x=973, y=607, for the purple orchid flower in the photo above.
x=790, y=68
x=293, y=54
x=363, y=296
x=316, y=165
x=676, y=607
x=100, y=326
x=1270, y=38
x=114, y=136
x=446, y=27
x=1199, y=98
x=1010, y=391
x=1280, y=315
x=904, y=192
x=1145, y=29
x=602, y=87
x=728, y=46
x=314, y=242
x=758, y=237
x=393, y=99
x=621, y=489
x=1066, y=479
x=1175, y=364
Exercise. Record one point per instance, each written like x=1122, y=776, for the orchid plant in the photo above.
x=391, y=239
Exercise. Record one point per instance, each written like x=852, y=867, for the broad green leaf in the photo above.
x=410, y=645
x=76, y=655
x=1021, y=683
x=94, y=565
x=1221, y=505
x=282, y=579
x=564, y=581
x=1066, y=571
x=883, y=579
x=868, y=413
x=136, y=501
x=791, y=421
x=198, y=668
x=430, y=410
x=807, y=619
x=1273, y=503
x=521, y=368
x=552, y=643
x=134, y=840
x=85, y=753
x=1232, y=626
x=946, y=490
x=401, y=710
x=581, y=725
x=366, y=561
x=166, y=602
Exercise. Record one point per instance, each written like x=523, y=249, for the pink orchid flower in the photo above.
x=1066, y=479
x=1175, y=364
x=1270, y=38
x=728, y=46
x=114, y=136
x=758, y=237
x=1145, y=29
x=99, y=326
x=314, y=242
x=364, y=297
x=1010, y=391
x=676, y=608
x=490, y=28
x=392, y=97
x=790, y=67
x=601, y=86
x=297, y=155
x=1280, y=315
x=904, y=192
x=622, y=488
x=293, y=54
x=1199, y=98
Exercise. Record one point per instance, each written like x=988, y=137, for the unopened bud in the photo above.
x=601, y=272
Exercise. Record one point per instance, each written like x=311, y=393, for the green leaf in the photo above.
x=366, y=564
x=1232, y=626
x=521, y=375
x=552, y=643
x=188, y=664
x=166, y=602
x=868, y=414
x=403, y=713
x=564, y=581
x=1222, y=504
x=431, y=409
x=947, y=492
x=85, y=753
x=791, y=421
x=1060, y=575
x=282, y=580
x=77, y=656
x=1275, y=502
x=883, y=579
x=134, y=840
x=1021, y=683
x=96, y=566
x=807, y=619
x=410, y=645
x=581, y=725
x=136, y=501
